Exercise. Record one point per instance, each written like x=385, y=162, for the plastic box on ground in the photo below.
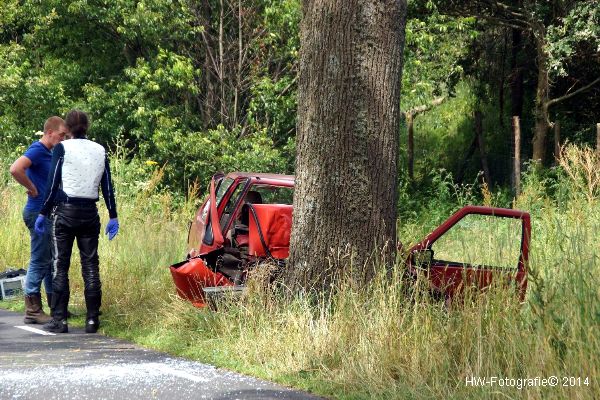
x=12, y=287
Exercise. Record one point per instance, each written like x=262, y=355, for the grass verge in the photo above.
x=383, y=341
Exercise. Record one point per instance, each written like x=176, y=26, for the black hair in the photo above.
x=77, y=122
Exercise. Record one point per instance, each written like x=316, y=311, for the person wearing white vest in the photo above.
x=79, y=166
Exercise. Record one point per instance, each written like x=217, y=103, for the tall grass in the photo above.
x=389, y=340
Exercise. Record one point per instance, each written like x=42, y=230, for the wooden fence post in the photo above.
x=517, y=156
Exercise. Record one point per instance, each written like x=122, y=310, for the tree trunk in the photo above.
x=410, y=116
x=223, y=116
x=410, y=123
x=501, y=84
x=481, y=146
x=347, y=143
x=556, y=141
x=210, y=96
x=598, y=139
x=463, y=167
x=517, y=156
x=541, y=98
x=238, y=73
x=516, y=83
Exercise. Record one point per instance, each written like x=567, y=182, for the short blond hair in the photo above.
x=53, y=123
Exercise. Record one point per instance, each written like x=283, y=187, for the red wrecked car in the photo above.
x=247, y=218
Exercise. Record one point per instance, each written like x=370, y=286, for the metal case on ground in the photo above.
x=12, y=287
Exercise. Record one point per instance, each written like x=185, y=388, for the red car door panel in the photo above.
x=474, y=247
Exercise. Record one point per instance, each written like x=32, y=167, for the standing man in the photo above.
x=78, y=167
x=31, y=171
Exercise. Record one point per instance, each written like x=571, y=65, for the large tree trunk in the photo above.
x=516, y=82
x=541, y=98
x=347, y=143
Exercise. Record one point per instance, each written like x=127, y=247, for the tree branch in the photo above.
x=490, y=10
x=425, y=107
x=208, y=50
x=512, y=11
x=568, y=96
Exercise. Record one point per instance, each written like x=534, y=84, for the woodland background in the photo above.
x=180, y=89
x=198, y=87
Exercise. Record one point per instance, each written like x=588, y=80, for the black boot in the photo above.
x=49, y=298
x=92, y=303
x=92, y=325
x=56, y=326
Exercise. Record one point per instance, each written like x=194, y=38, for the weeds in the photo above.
x=386, y=340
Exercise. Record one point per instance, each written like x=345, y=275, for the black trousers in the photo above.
x=72, y=222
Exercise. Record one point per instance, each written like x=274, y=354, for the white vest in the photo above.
x=82, y=168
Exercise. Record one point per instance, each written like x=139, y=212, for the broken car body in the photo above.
x=247, y=219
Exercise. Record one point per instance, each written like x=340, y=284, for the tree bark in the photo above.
x=481, y=145
x=410, y=124
x=347, y=144
x=463, y=167
x=598, y=139
x=556, y=141
x=210, y=96
x=223, y=116
x=238, y=72
x=501, y=84
x=541, y=97
x=516, y=83
x=517, y=157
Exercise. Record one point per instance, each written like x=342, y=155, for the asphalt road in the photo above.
x=76, y=365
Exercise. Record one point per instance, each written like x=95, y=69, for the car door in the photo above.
x=201, y=238
x=472, y=248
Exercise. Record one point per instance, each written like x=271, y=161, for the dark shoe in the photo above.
x=33, y=310
x=56, y=326
x=92, y=325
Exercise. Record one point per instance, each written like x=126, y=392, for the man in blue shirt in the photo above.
x=31, y=171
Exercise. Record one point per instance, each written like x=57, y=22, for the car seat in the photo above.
x=252, y=197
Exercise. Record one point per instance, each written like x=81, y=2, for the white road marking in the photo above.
x=35, y=330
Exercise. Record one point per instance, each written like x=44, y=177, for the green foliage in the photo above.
x=197, y=156
x=443, y=136
x=27, y=98
x=271, y=107
x=577, y=36
x=434, y=52
x=143, y=71
x=152, y=96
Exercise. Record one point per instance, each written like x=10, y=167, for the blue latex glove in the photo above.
x=40, y=224
x=112, y=228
